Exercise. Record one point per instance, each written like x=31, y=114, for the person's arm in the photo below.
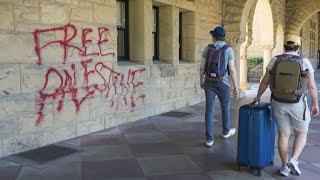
x=233, y=75
x=201, y=72
x=263, y=85
x=312, y=88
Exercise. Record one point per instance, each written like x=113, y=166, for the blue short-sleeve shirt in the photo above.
x=229, y=56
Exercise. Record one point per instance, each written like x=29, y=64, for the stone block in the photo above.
x=164, y=107
x=9, y=45
x=92, y=125
x=73, y=2
x=194, y=100
x=82, y=14
x=6, y=18
x=85, y=3
x=54, y=13
x=11, y=105
x=169, y=95
x=68, y=113
x=180, y=103
x=57, y=134
x=115, y=118
x=163, y=70
x=187, y=69
x=136, y=73
x=21, y=143
x=9, y=79
x=30, y=3
x=1, y=148
x=104, y=14
x=141, y=113
x=98, y=106
x=26, y=14
x=173, y=83
x=28, y=122
x=8, y=127
x=187, y=92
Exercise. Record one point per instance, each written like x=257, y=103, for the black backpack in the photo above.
x=216, y=63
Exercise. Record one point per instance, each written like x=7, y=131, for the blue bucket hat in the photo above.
x=218, y=31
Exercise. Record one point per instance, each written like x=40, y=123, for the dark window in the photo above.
x=180, y=36
x=123, y=29
x=155, y=33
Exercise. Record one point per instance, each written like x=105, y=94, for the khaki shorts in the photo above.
x=291, y=115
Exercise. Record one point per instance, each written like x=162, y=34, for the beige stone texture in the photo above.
x=92, y=125
x=1, y=147
x=68, y=114
x=12, y=105
x=9, y=45
x=28, y=122
x=57, y=134
x=54, y=13
x=81, y=14
x=6, y=18
x=8, y=127
x=73, y=2
x=104, y=14
x=168, y=46
x=140, y=19
x=163, y=70
x=21, y=143
x=30, y=3
x=26, y=14
x=9, y=79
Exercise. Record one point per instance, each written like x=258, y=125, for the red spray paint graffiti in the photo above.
x=66, y=84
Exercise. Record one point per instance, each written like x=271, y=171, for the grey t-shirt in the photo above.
x=229, y=56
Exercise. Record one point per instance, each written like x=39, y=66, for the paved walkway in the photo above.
x=162, y=147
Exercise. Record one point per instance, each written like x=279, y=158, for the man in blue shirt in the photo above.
x=220, y=88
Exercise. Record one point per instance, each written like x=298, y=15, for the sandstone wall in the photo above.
x=60, y=77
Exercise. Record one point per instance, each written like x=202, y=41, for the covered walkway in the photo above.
x=167, y=146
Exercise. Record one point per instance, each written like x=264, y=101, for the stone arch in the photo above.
x=298, y=12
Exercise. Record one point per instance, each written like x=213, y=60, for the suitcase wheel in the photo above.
x=259, y=172
x=271, y=164
x=239, y=169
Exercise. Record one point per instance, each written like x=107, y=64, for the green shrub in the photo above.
x=254, y=60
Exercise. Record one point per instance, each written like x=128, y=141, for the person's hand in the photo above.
x=202, y=85
x=256, y=99
x=236, y=93
x=314, y=111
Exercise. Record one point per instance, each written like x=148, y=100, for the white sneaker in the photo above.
x=209, y=143
x=232, y=131
x=284, y=171
x=294, y=166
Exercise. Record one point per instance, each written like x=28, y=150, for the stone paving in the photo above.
x=162, y=148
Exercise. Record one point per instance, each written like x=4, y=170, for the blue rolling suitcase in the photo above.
x=256, y=136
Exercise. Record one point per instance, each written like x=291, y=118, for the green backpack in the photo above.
x=288, y=80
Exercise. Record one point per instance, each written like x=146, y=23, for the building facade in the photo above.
x=72, y=67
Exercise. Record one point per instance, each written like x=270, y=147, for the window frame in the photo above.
x=155, y=37
x=126, y=32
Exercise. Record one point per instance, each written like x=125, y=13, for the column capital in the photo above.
x=235, y=40
x=267, y=46
x=247, y=42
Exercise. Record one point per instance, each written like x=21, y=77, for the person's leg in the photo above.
x=210, y=99
x=283, y=142
x=223, y=94
x=298, y=143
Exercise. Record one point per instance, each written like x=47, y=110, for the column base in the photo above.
x=244, y=86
